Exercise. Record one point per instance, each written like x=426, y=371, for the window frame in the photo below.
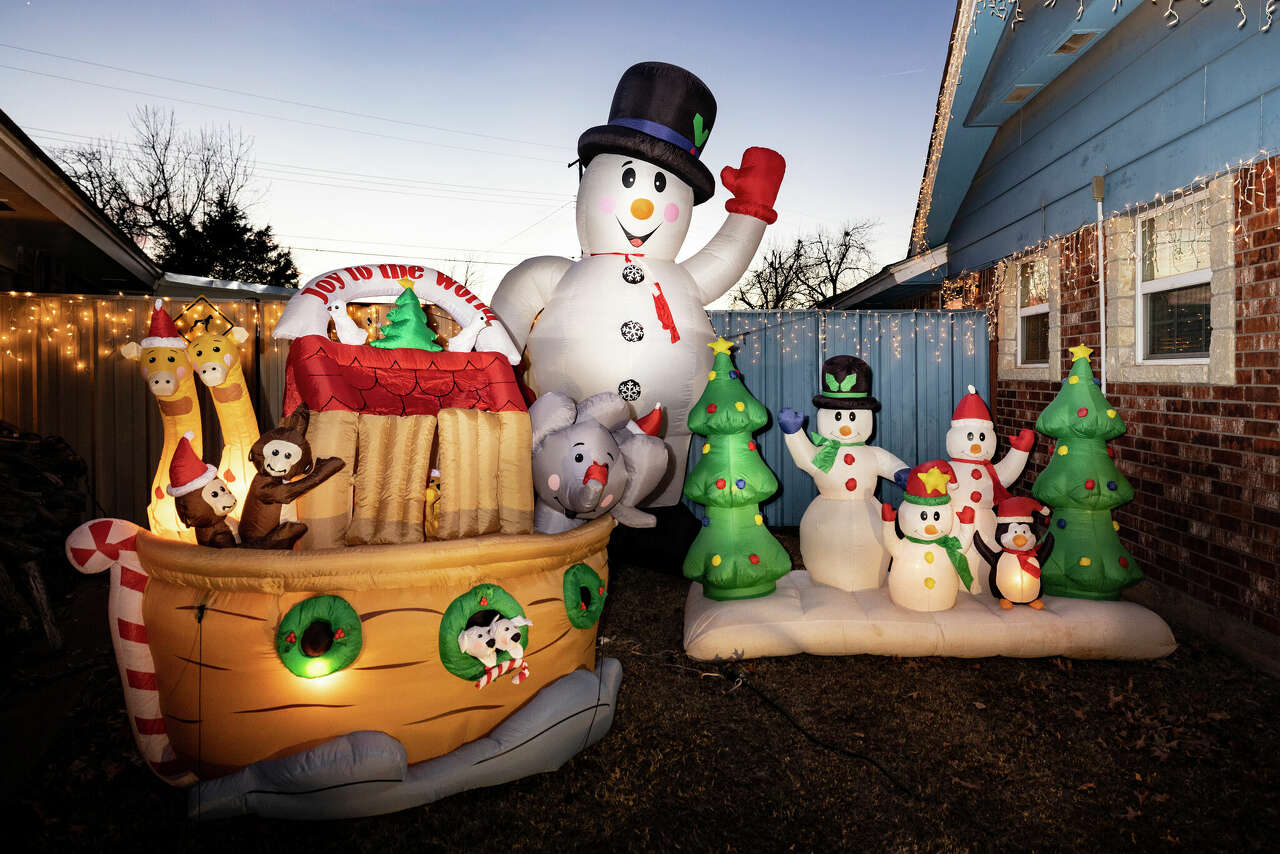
x=1028, y=311
x=1177, y=281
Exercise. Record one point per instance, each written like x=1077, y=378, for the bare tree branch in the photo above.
x=809, y=271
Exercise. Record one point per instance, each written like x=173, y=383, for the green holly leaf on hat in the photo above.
x=700, y=133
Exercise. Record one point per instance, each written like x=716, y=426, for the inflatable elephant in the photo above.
x=590, y=459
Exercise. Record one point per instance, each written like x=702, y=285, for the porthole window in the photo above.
x=468, y=646
x=319, y=636
x=584, y=593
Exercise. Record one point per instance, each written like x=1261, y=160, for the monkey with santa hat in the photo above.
x=1015, y=561
x=203, y=500
x=980, y=483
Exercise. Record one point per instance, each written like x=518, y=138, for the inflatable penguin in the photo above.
x=840, y=540
x=980, y=483
x=1015, y=560
x=626, y=318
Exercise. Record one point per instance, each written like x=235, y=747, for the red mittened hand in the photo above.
x=1024, y=441
x=887, y=512
x=755, y=183
x=965, y=516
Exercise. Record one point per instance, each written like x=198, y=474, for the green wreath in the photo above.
x=479, y=606
x=319, y=636
x=584, y=593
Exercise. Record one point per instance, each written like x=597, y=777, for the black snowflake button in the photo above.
x=629, y=390
x=632, y=331
x=632, y=274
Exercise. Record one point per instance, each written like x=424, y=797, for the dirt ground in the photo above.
x=801, y=753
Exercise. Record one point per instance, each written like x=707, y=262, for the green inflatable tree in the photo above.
x=734, y=556
x=407, y=324
x=1082, y=485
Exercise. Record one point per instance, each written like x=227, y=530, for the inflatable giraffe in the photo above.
x=163, y=358
x=216, y=361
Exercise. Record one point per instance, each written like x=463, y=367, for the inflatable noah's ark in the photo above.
x=333, y=679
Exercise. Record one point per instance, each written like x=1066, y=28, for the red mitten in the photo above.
x=887, y=512
x=755, y=183
x=1024, y=441
x=965, y=516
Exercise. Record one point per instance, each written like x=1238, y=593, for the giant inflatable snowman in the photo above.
x=626, y=317
x=980, y=483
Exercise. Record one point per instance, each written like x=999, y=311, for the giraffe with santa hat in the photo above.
x=162, y=355
x=979, y=483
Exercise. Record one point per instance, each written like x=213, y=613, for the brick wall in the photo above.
x=1204, y=459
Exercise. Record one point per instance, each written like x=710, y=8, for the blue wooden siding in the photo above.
x=1150, y=107
x=921, y=363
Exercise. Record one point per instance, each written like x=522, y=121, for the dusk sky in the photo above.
x=472, y=110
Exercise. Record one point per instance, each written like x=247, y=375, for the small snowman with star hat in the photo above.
x=929, y=566
x=840, y=540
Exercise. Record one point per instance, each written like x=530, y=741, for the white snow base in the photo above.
x=804, y=616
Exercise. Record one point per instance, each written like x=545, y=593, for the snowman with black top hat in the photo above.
x=840, y=538
x=626, y=317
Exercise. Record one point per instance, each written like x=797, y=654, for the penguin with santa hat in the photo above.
x=1016, y=558
x=980, y=483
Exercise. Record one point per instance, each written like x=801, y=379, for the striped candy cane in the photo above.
x=491, y=674
x=108, y=544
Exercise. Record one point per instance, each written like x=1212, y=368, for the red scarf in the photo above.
x=1027, y=560
x=660, y=307
x=998, y=492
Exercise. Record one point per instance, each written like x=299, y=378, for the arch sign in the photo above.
x=326, y=297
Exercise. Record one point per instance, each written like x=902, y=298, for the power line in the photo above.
x=394, y=243
x=279, y=118
x=53, y=136
x=391, y=255
x=537, y=223
x=279, y=100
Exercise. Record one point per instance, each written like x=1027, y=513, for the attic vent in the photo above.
x=1021, y=93
x=1075, y=42
x=4, y=207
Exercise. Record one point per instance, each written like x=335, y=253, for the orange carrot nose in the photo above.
x=642, y=209
x=975, y=449
x=1019, y=540
x=931, y=529
x=595, y=471
x=845, y=430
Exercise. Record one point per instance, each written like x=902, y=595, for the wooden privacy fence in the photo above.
x=61, y=373
x=921, y=363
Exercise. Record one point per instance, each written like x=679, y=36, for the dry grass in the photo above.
x=996, y=753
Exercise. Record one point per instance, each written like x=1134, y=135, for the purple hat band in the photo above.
x=660, y=131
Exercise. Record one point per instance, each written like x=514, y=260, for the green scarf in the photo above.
x=827, y=450
x=956, y=555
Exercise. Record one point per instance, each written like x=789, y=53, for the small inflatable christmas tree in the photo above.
x=407, y=324
x=1082, y=485
x=734, y=556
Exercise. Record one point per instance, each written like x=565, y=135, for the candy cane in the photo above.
x=108, y=544
x=491, y=674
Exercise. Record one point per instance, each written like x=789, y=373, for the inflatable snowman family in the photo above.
x=626, y=317
x=940, y=542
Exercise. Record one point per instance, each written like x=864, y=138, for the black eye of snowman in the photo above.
x=936, y=515
x=924, y=515
x=982, y=437
x=970, y=437
x=628, y=177
x=839, y=416
x=659, y=182
x=577, y=458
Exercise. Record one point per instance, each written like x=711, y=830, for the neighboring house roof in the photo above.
x=47, y=193
x=894, y=283
x=175, y=285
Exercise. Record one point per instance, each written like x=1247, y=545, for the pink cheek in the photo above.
x=227, y=359
x=182, y=372
x=607, y=204
x=608, y=499
x=672, y=212
x=554, y=481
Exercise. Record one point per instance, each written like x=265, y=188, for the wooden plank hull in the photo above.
x=228, y=701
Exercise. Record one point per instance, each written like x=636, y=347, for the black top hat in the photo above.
x=661, y=114
x=845, y=384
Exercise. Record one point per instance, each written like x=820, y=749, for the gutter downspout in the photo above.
x=1099, y=188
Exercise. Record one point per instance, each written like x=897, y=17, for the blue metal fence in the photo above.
x=921, y=363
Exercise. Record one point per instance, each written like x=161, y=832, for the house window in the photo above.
x=1172, y=312
x=1033, y=313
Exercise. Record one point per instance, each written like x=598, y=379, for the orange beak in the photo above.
x=975, y=449
x=931, y=529
x=1019, y=540
x=845, y=430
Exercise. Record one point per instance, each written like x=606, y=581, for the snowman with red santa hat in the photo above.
x=980, y=483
